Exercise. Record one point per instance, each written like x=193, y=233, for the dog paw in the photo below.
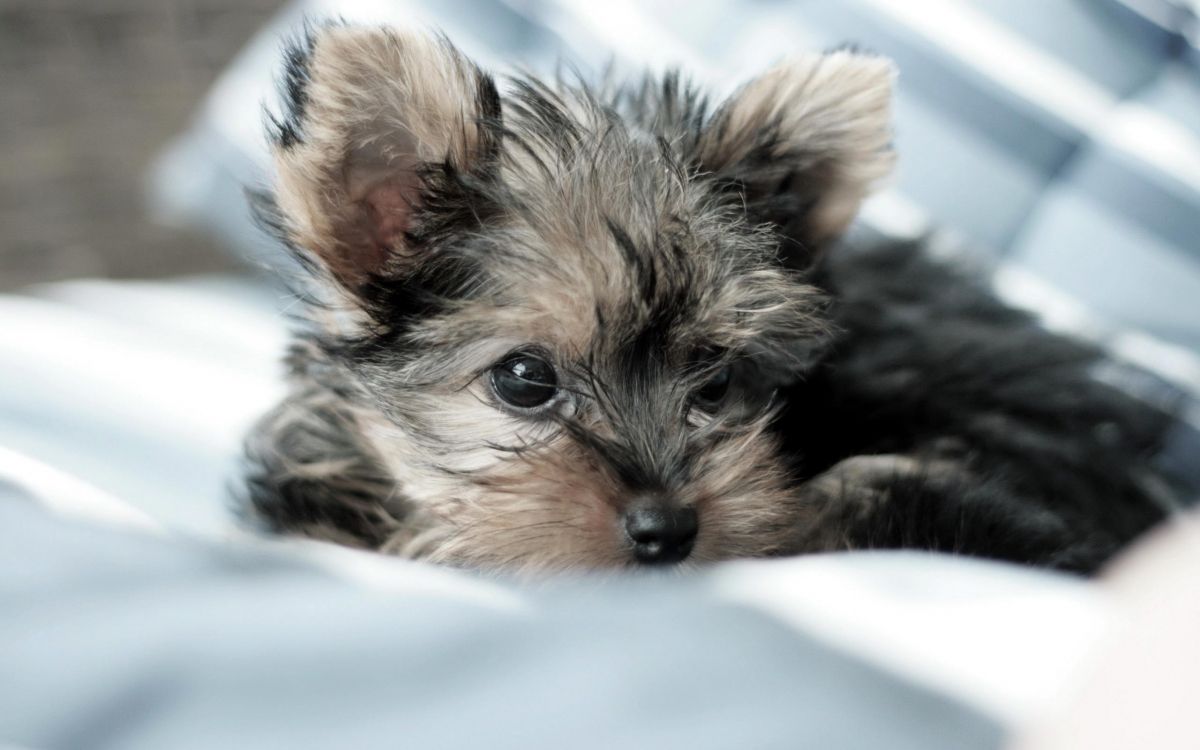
x=856, y=488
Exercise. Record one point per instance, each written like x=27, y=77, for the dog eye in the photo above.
x=712, y=392
x=524, y=381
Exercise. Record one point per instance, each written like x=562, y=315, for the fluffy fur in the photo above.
x=644, y=243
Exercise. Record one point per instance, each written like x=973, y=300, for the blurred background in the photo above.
x=1057, y=141
x=91, y=91
x=1062, y=135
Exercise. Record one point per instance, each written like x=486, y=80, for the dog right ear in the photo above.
x=804, y=143
x=369, y=115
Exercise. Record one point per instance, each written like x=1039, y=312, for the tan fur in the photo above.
x=555, y=509
x=836, y=106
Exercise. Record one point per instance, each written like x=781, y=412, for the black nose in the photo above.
x=661, y=534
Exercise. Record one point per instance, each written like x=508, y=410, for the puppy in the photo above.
x=554, y=326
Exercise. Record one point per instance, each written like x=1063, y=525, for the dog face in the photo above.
x=563, y=315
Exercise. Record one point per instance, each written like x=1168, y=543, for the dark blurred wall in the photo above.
x=90, y=90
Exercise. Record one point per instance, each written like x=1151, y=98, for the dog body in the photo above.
x=567, y=327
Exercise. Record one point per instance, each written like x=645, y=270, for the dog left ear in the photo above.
x=804, y=144
x=370, y=114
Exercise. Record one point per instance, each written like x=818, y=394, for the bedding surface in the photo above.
x=116, y=636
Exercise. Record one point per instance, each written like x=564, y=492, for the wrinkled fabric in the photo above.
x=115, y=639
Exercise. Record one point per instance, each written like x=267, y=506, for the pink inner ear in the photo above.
x=390, y=206
x=383, y=203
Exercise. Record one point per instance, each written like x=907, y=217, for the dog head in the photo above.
x=564, y=313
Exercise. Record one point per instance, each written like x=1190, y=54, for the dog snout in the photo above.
x=662, y=533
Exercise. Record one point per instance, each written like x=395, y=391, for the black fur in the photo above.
x=928, y=361
x=293, y=89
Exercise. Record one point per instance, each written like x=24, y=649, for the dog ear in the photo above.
x=804, y=144
x=370, y=114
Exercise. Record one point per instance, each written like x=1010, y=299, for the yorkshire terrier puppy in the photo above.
x=551, y=326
